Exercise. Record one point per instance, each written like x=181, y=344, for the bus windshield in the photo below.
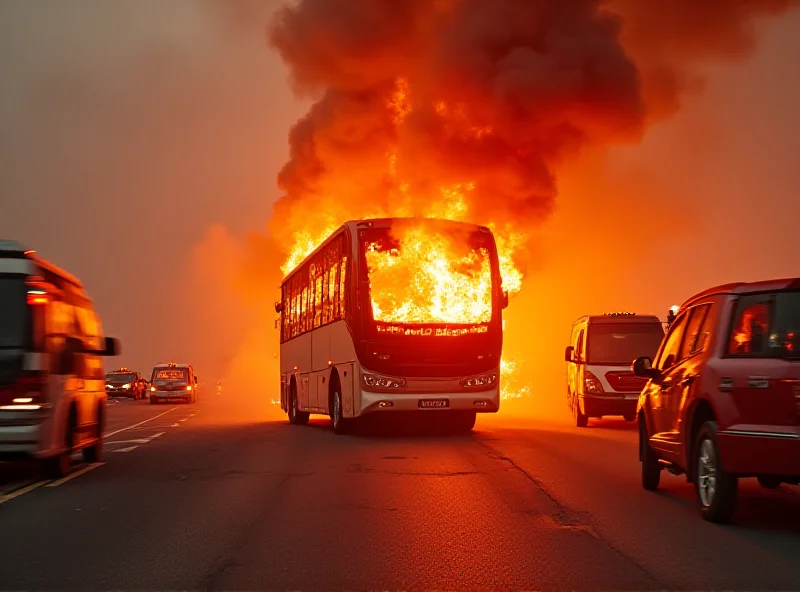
x=426, y=273
x=13, y=313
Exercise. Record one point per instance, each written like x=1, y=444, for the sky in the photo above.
x=141, y=142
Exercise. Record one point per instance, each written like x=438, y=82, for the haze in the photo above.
x=141, y=143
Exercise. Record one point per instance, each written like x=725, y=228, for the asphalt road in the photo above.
x=203, y=497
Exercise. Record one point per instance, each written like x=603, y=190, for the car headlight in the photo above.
x=383, y=381
x=479, y=381
x=126, y=385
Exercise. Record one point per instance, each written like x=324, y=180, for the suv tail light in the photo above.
x=591, y=384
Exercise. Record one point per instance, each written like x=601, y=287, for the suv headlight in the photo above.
x=479, y=381
x=382, y=381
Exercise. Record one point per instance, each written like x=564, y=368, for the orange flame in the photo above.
x=428, y=280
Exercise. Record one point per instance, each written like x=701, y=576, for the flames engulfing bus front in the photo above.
x=431, y=296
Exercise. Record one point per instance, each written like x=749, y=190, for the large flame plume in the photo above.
x=464, y=109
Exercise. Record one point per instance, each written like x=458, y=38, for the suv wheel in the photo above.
x=769, y=482
x=651, y=467
x=716, y=490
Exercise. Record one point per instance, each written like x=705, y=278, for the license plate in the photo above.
x=434, y=404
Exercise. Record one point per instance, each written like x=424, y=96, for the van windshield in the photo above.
x=618, y=344
x=13, y=313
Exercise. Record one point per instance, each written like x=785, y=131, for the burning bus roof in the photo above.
x=382, y=223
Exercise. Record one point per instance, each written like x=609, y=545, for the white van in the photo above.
x=52, y=383
x=602, y=348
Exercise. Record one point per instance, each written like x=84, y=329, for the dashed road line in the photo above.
x=140, y=423
x=77, y=473
x=128, y=449
x=136, y=441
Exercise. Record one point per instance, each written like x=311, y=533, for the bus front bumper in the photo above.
x=478, y=401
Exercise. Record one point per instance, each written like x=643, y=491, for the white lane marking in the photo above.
x=140, y=423
x=9, y=496
x=182, y=420
x=75, y=474
x=126, y=449
x=175, y=425
x=138, y=441
x=154, y=436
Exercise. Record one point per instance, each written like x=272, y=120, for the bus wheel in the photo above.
x=464, y=422
x=296, y=417
x=340, y=423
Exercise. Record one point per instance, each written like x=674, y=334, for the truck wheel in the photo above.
x=717, y=490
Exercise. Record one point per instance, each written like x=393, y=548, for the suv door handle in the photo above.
x=687, y=380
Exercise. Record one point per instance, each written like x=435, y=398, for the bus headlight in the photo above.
x=383, y=381
x=479, y=381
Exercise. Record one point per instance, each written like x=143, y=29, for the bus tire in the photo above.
x=340, y=423
x=296, y=417
x=467, y=422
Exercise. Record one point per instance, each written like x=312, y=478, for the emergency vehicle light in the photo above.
x=620, y=314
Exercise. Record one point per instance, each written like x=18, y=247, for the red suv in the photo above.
x=723, y=397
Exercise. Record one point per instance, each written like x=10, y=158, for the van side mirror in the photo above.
x=569, y=354
x=112, y=347
x=279, y=307
x=643, y=368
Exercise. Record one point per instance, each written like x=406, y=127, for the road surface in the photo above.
x=194, y=497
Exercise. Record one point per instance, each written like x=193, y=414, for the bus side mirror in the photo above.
x=279, y=307
x=504, y=300
x=569, y=353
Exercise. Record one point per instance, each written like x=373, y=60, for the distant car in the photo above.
x=723, y=397
x=600, y=382
x=173, y=382
x=125, y=383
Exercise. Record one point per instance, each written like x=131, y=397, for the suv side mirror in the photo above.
x=569, y=354
x=643, y=368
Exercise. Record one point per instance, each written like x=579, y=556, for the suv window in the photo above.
x=670, y=350
x=697, y=331
x=766, y=325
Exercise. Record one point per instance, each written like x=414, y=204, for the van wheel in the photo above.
x=581, y=420
x=651, y=468
x=629, y=417
x=296, y=417
x=57, y=466
x=93, y=453
x=717, y=490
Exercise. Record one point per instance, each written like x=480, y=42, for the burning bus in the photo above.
x=393, y=315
